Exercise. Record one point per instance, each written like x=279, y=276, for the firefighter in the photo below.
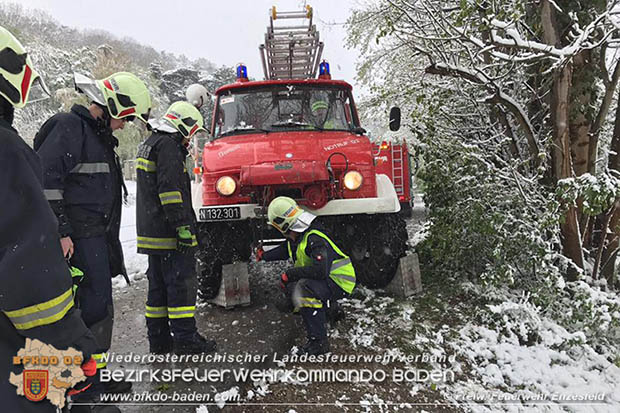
x=322, y=273
x=320, y=112
x=83, y=183
x=35, y=283
x=197, y=95
x=166, y=232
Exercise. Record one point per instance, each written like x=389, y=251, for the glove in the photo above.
x=77, y=276
x=186, y=240
x=283, y=281
x=259, y=254
x=89, y=368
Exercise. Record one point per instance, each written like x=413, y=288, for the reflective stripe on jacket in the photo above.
x=82, y=173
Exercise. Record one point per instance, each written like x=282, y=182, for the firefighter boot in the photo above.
x=160, y=340
x=196, y=345
x=160, y=346
x=315, y=347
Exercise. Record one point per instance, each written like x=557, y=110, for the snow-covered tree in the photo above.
x=509, y=102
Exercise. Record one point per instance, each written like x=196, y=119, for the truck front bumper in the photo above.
x=386, y=202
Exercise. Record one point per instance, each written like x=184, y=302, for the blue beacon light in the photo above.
x=242, y=73
x=324, y=72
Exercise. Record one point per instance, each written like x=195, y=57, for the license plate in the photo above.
x=220, y=213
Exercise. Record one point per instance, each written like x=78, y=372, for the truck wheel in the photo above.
x=375, y=244
x=406, y=209
x=376, y=247
x=220, y=243
x=209, y=271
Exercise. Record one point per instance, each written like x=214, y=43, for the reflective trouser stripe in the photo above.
x=146, y=165
x=157, y=243
x=53, y=194
x=98, y=358
x=172, y=197
x=156, y=312
x=310, y=302
x=41, y=314
x=181, y=312
x=91, y=168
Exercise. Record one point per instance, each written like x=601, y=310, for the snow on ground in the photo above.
x=491, y=362
x=504, y=368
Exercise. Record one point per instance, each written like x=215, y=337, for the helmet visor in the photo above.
x=89, y=88
x=303, y=222
x=38, y=91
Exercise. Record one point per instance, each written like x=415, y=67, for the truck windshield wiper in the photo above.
x=240, y=129
x=285, y=124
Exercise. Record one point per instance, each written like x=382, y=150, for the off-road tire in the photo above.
x=220, y=243
x=375, y=244
x=406, y=210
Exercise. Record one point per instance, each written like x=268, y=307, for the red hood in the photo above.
x=230, y=153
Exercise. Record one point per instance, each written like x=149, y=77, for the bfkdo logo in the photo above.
x=36, y=384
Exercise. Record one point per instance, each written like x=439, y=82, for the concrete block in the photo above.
x=408, y=280
x=235, y=287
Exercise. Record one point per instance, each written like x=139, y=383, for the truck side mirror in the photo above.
x=395, y=119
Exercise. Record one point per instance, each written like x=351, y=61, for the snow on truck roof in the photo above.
x=259, y=83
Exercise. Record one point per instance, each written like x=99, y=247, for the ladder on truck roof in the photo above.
x=291, y=52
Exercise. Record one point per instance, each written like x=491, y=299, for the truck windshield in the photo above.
x=283, y=108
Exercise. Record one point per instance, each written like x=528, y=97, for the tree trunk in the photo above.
x=613, y=238
x=610, y=88
x=560, y=121
x=580, y=99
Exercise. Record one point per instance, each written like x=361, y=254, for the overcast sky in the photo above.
x=225, y=32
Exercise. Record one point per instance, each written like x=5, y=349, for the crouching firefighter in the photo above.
x=322, y=273
x=166, y=232
x=83, y=183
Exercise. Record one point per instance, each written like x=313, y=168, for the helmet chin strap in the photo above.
x=104, y=120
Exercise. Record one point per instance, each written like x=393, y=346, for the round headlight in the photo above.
x=353, y=180
x=226, y=186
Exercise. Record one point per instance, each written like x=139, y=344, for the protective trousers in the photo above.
x=94, y=295
x=310, y=297
x=171, y=301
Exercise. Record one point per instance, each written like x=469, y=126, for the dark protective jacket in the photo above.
x=32, y=270
x=163, y=201
x=83, y=178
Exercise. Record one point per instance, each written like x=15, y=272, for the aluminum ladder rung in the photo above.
x=291, y=50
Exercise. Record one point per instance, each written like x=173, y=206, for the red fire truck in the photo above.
x=297, y=135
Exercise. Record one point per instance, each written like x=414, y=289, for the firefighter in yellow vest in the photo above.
x=322, y=272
